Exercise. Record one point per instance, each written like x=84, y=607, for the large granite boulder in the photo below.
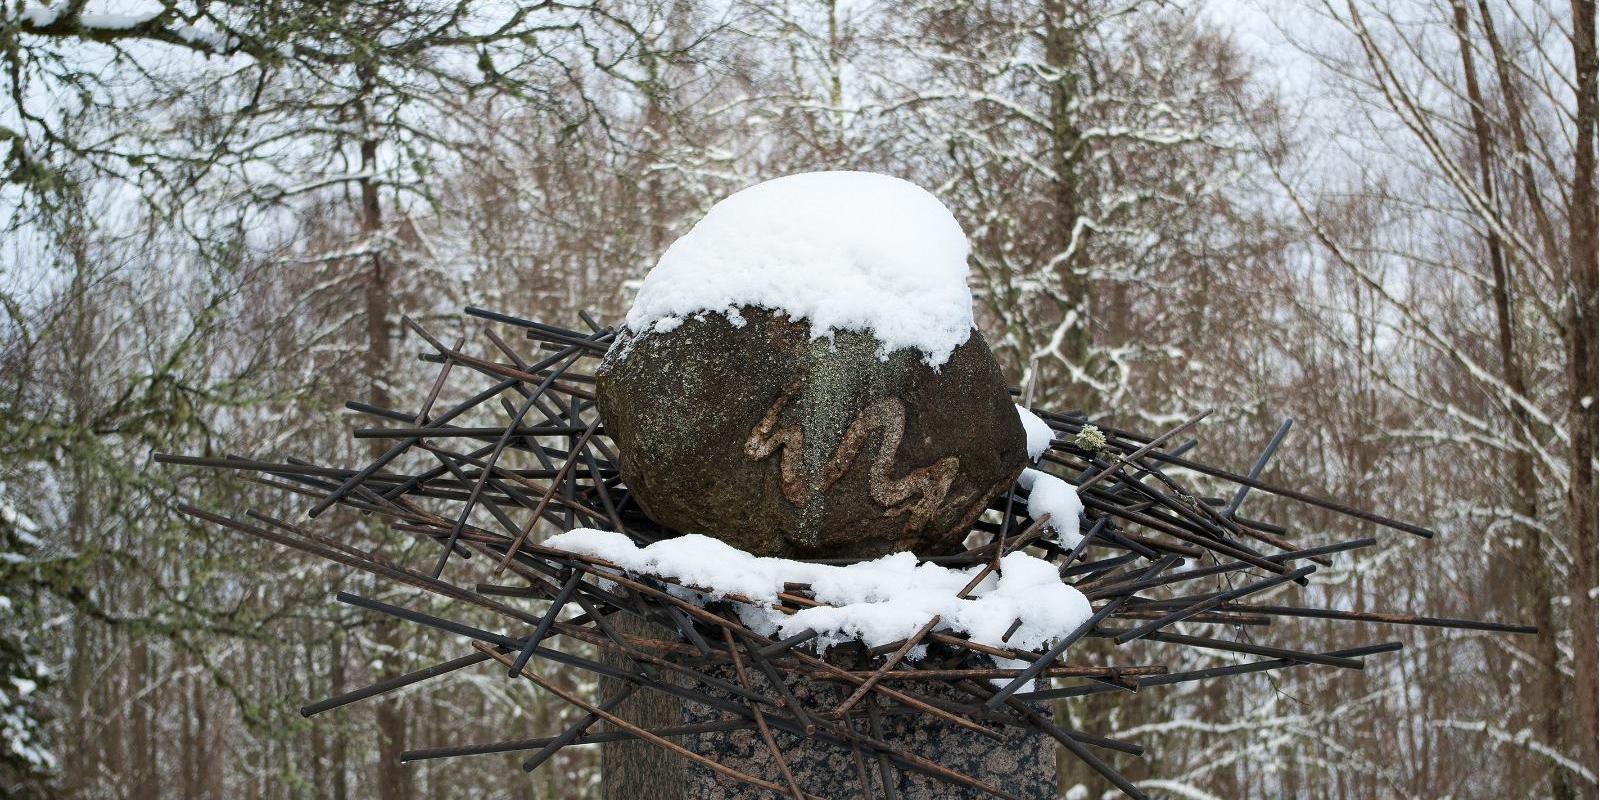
x=754, y=432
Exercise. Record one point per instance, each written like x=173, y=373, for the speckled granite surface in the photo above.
x=1023, y=765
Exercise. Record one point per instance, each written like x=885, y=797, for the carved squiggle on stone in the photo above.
x=791, y=440
x=918, y=493
x=928, y=485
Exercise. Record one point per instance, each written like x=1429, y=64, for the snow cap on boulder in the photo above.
x=843, y=251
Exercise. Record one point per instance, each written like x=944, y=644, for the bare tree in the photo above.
x=1483, y=150
x=217, y=214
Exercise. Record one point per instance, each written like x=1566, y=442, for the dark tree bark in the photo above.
x=1582, y=375
x=635, y=770
x=394, y=779
x=1061, y=42
x=339, y=754
x=1533, y=564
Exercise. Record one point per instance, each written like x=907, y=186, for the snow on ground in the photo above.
x=843, y=250
x=875, y=602
x=1048, y=494
x=1040, y=434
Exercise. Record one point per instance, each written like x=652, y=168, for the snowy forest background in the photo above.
x=1375, y=216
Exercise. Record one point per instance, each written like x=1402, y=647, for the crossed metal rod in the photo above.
x=486, y=477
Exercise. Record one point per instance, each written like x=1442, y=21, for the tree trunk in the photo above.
x=339, y=753
x=1582, y=375
x=139, y=741
x=1060, y=49
x=394, y=779
x=1533, y=565
x=635, y=770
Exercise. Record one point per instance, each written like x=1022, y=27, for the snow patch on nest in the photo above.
x=1048, y=494
x=1039, y=432
x=845, y=251
x=874, y=602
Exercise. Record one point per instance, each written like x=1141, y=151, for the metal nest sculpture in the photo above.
x=447, y=466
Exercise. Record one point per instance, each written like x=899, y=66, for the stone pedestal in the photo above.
x=1024, y=764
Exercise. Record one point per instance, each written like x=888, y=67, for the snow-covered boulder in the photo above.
x=799, y=376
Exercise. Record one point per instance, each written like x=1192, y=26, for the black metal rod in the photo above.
x=394, y=452
x=1050, y=656
x=1251, y=648
x=546, y=622
x=391, y=684
x=1212, y=602
x=514, y=745
x=1206, y=674
x=1131, y=586
x=1256, y=468
x=578, y=728
x=1341, y=508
